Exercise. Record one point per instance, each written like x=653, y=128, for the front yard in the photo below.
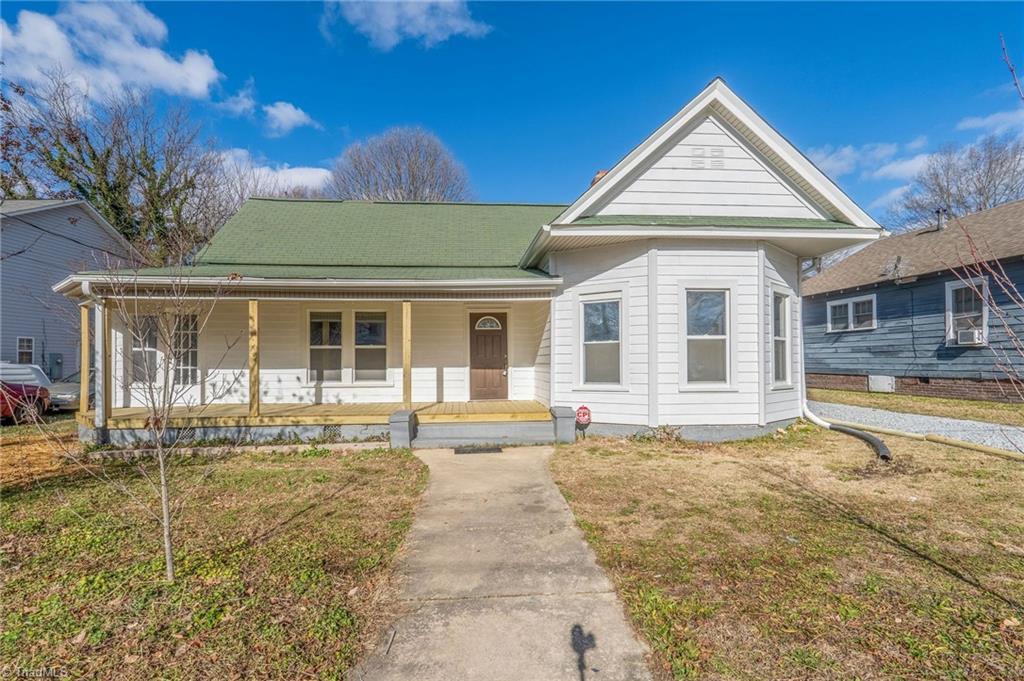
x=802, y=556
x=283, y=568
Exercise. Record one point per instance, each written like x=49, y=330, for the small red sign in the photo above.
x=583, y=416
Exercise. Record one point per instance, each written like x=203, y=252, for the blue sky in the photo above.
x=535, y=97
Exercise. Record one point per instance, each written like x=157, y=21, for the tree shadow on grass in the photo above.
x=816, y=502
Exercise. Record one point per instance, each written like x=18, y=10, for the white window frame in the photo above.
x=32, y=349
x=730, y=287
x=340, y=348
x=602, y=295
x=181, y=356
x=787, y=337
x=974, y=282
x=135, y=345
x=849, y=302
x=356, y=347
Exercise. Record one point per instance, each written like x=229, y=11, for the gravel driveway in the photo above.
x=991, y=434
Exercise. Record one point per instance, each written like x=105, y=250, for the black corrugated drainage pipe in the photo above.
x=876, y=444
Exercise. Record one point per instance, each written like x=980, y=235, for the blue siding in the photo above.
x=911, y=336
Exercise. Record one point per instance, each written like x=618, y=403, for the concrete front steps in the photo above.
x=502, y=433
x=408, y=431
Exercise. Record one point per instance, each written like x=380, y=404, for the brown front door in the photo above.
x=488, y=356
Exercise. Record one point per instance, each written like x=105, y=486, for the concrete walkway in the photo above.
x=991, y=434
x=498, y=583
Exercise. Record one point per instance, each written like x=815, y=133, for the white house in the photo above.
x=665, y=295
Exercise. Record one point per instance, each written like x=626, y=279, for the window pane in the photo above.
x=863, y=314
x=601, y=363
x=325, y=364
x=779, y=315
x=705, y=313
x=325, y=328
x=967, y=322
x=487, y=324
x=601, y=321
x=371, y=364
x=144, y=333
x=705, y=360
x=371, y=328
x=840, y=314
x=780, y=360
x=966, y=301
x=144, y=366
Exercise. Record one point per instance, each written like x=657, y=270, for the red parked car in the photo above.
x=23, y=403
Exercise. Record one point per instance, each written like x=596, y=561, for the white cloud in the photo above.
x=103, y=48
x=838, y=161
x=281, y=176
x=901, y=168
x=887, y=199
x=387, y=24
x=997, y=123
x=242, y=103
x=283, y=117
x=918, y=142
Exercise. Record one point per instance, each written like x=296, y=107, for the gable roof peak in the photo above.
x=718, y=98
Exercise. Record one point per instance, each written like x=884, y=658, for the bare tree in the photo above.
x=148, y=173
x=401, y=164
x=965, y=180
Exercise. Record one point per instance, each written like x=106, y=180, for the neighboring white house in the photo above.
x=43, y=241
x=667, y=294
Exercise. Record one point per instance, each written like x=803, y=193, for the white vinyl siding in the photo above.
x=714, y=265
x=710, y=171
x=781, y=276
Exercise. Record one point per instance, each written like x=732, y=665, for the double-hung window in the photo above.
x=144, y=349
x=967, y=312
x=780, y=339
x=26, y=350
x=371, y=346
x=706, y=336
x=852, y=314
x=186, y=350
x=602, y=346
x=324, y=346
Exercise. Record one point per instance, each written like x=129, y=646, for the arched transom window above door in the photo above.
x=487, y=324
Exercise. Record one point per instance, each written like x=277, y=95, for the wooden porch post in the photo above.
x=83, y=360
x=254, y=358
x=407, y=353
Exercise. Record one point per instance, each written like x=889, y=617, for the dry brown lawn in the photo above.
x=802, y=556
x=975, y=410
x=33, y=452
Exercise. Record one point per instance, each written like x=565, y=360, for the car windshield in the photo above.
x=73, y=378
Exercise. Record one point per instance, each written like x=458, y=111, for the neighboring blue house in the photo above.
x=896, y=317
x=44, y=241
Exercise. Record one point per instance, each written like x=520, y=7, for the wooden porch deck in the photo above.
x=372, y=413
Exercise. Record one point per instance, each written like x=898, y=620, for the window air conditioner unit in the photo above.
x=970, y=337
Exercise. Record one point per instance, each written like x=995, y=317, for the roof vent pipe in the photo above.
x=940, y=218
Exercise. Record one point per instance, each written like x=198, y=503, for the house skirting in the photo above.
x=925, y=386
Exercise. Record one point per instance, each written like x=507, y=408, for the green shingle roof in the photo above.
x=710, y=221
x=376, y=234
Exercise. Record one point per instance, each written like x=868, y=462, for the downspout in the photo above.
x=875, y=443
